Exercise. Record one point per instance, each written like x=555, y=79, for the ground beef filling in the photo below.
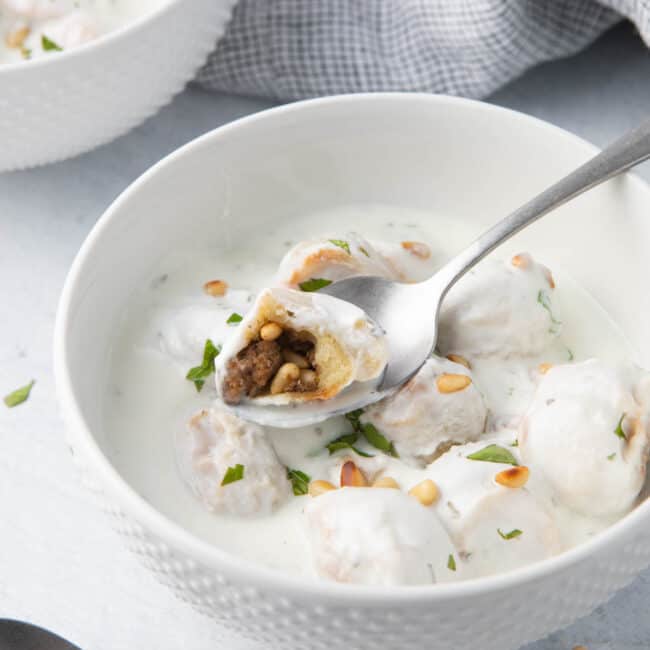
x=283, y=365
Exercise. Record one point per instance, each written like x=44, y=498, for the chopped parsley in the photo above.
x=341, y=243
x=233, y=474
x=314, y=284
x=299, y=481
x=545, y=301
x=199, y=374
x=513, y=534
x=370, y=433
x=364, y=251
x=346, y=441
x=19, y=395
x=234, y=318
x=494, y=454
x=451, y=563
x=570, y=353
x=49, y=45
x=353, y=418
x=611, y=456
x=515, y=443
x=619, y=428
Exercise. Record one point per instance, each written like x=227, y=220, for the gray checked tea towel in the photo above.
x=292, y=49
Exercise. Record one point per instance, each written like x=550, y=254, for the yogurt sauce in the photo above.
x=149, y=398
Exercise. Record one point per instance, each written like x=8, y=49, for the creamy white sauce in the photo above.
x=150, y=399
x=65, y=24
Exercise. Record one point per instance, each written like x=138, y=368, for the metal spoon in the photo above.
x=412, y=339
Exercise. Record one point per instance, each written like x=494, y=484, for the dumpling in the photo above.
x=331, y=259
x=410, y=261
x=297, y=346
x=585, y=435
x=495, y=522
x=500, y=309
x=376, y=536
x=216, y=448
x=440, y=405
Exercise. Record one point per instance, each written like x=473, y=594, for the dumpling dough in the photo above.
x=216, y=440
x=500, y=309
x=474, y=508
x=323, y=259
x=39, y=9
x=411, y=261
x=376, y=536
x=325, y=344
x=568, y=435
x=422, y=418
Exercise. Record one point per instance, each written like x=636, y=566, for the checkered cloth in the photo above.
x=291, y=49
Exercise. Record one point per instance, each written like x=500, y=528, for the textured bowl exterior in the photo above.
x=501, y=612
x=64, y=105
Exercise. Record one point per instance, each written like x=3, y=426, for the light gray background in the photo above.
x=44, y=216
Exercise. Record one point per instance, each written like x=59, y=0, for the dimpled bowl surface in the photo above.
x=464, y=159
x=62, y=105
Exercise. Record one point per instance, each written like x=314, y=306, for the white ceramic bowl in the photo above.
x=61, y=105
x=456, y=157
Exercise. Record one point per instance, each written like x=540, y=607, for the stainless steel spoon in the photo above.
x=409, y=312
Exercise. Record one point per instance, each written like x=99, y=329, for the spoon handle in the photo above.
x=627, y=151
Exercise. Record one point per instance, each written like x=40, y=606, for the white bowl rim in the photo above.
x=105, y=40
x=211, y=556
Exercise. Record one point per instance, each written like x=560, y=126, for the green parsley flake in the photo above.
x=570, y=353
x=611, y=456
x=515, y=443
x=451, y=563
x=341, y=244
x=378, y=440
x=619, y=428
x=364, y=251
x=346, y=441
x=233, y=474
x=494, y=454
x=234, y=318
x=299, y=481
x=314, y=284
x=49, y=45
x=353, y=418
x=19, y=395
x=544, y=300
x=199, y=374
x=513, y=534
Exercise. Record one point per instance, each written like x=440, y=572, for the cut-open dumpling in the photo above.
x=297, y=346
x=500, y=309
x=376, y=536
x=585, y=435
x=230, y=465
x=437, y=407
x=495, y=522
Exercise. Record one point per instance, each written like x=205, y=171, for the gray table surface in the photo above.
x=47, y=212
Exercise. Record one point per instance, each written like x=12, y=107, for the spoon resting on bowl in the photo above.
x=412, y=340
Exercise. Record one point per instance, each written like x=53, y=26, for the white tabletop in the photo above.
x=61, y=566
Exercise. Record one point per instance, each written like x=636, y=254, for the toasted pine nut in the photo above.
x=16, y=37
x=514, y=477
x=316, y=488
x=294, y=357
x=426, y=492
x=544, y=367
x=521, y=261
x=386, y=482
x=417, y=248
x=549, y=278
x=580, y=647
x=215, y=288
x=352, y=476
x=308, y=379
x=457, y=358
x=284, y=377
x=270, y=331
x=451, y=383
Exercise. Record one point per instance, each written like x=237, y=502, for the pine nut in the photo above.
x=215, y=288
x=451, y=383
x=549, y=278
x=544, y=367
x=457, y=358
x=386, y=482
x=514, y=477
x=417, y=248
x=284, y=378
x=521, y=261
x=294, y=357
x=316, y=488
x=352, y=476
x=308, y=380
x=270, y=331
x=426, y=492
x=16, y=38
